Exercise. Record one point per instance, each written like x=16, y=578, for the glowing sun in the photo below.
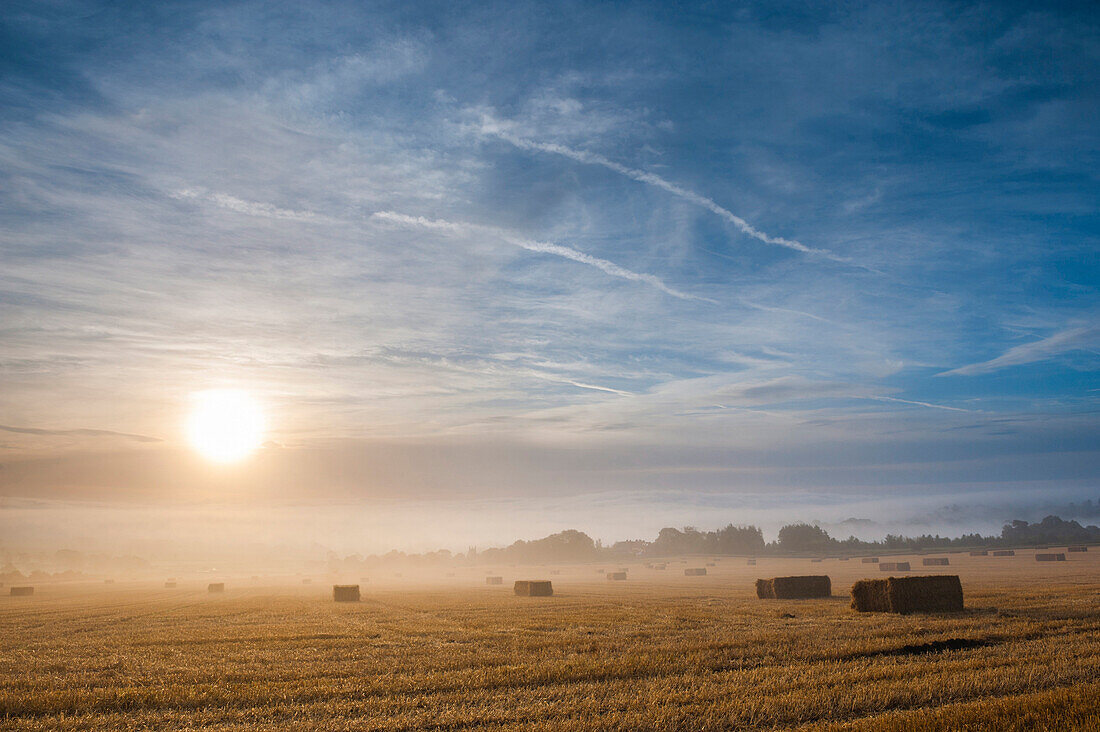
x=225, y=425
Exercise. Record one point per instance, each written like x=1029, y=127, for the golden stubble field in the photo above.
x=658, y=651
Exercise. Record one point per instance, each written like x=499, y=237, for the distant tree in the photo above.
x=739, y=540
x=805, y=538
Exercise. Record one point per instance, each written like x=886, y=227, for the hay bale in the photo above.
x=494, y=580
x=935, y=561
x=711, y=564
x=21, y=591
x=555, y=571
x=307, y=581
x=845, y=559
x=662, y=565
x=816, y=561
x=1077, y=549
x=893, y=567
x=169, y=585
x=752, y=562
x=534, y=588
x=345, y=593
x=216, y=587
x=871, y=596
x=1059, y=557
x=1004, y=553
x=695, y=571
x=618, y=576
x=931, y=594
x=870, y=560
x=794, y=588
x=980, y=553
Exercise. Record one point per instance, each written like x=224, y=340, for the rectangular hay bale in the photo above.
x=1059, y=557
x=870, y=560
x=169, y=585
x=494, y=580
x=21, y=591
x=1077, y=549
x=534, y=588
x=935, y=561
x=616, y=575
x=932, y=593
x=980, y=553
x=871, y=596
x=345, y=593
x=1004, y=553
x=794, y=588
x=893, y=566
x=695, y=571
x=216, y=587
x=752, y=562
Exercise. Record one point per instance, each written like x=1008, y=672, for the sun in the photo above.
x=225, y=425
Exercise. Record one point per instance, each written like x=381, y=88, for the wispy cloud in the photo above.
x=464, y=229
x=1072, y=339
x=76, y=433
x=249, y=208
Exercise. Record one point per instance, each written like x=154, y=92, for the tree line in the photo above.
x=793, y=539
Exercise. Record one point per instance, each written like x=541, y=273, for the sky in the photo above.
x=520, y=267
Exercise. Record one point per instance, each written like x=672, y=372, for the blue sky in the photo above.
x=516, y=251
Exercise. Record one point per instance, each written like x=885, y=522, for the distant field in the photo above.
x=658, y=651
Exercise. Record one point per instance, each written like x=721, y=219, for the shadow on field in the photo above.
x=949, y=644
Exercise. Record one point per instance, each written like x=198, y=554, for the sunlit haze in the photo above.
x=225, y=425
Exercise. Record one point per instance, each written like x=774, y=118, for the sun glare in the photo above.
x=225, y=424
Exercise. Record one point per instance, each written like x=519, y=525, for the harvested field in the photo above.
x=654, y=653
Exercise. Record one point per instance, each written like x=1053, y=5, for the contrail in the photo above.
x=652, y=179
x=604, y=265
x=919, y=404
